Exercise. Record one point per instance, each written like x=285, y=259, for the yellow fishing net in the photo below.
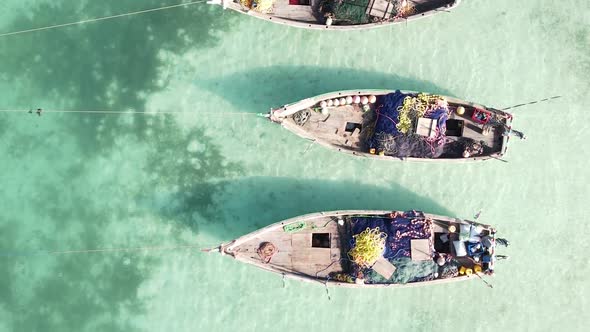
x=368, y=247
x=415, y=107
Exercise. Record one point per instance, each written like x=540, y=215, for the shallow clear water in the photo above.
x=84, y=181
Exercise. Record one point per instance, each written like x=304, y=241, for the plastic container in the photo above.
x=481, y=116
x=462, y=270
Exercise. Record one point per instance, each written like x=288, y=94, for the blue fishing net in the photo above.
x=400, y=231
x=387, y=138
x=388, y=114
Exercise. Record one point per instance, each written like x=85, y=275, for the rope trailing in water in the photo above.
x=531, y=103
x=368, y=246
x=39, y=112
x=87, y=251
x=100, y=18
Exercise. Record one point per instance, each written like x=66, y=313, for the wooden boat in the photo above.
x=400, y=125
x=337, y=14
x=417, y=248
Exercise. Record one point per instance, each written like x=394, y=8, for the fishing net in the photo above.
x=406, y=146
x=406, y=271
x=346, y=12
x=449, y=271
x=456, y=148
x=396, y=119
x=398, y=231
x=368, y=247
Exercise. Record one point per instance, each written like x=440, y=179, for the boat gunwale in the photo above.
x=316, y=26
x=226, y=249
x=290, y=109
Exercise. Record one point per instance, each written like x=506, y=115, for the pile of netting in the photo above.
x=351, y=12
x=411, y=145
x=396, y=232
x=346, y=12
x=261, y=6
x=406, y=271
x=396, y=118
x=368, y=247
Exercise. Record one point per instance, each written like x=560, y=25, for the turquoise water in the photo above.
x=72, y=181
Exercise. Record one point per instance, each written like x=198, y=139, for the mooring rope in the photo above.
x=101, y=18
x=43, y=111
x=86, y=251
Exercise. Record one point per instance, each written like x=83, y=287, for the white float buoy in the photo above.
x=348, y=100
x=342, y=101
x=323, y=104
x=336, y=102
x=356, y=99
x=372, y=99
x=364, y=100
x=330, y=102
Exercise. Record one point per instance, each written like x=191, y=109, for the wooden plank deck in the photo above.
x=306, y=271
x=331, y=128
x=295, y=251
x=473, y=130
x=302, y=13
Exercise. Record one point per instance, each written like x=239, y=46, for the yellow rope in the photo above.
x=368, y=247
x=413, y=108
x=101, y=18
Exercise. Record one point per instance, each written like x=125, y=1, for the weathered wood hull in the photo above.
x=244, y=248
x=497, y=141
x=305, y=24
